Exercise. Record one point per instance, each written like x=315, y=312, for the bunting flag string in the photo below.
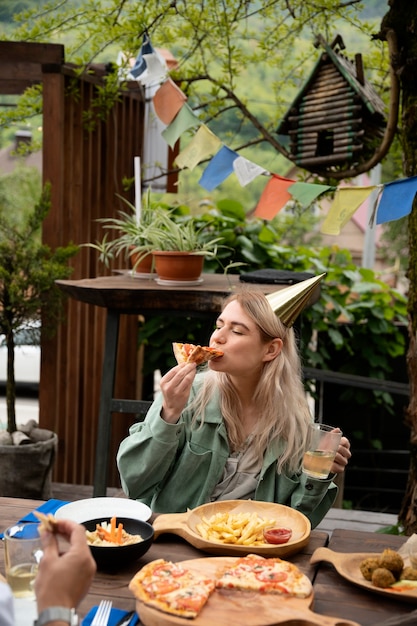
x=394, y=200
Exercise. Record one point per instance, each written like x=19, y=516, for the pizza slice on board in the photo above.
x=172, y=588
x=265, y=575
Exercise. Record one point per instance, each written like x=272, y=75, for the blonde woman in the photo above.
x=234, y=431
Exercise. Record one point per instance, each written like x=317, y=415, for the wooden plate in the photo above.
x=347, y=565
x=235, y=608
x=184, y=525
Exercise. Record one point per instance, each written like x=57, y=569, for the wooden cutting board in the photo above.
x=235, y=608
x=184, y=525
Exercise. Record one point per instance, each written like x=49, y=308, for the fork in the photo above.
x=102, y=615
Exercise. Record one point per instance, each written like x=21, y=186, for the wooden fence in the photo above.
x=87, y=167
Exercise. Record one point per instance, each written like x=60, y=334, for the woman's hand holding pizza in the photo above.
x=176, y=387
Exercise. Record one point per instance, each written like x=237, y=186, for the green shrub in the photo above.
x=357, y=316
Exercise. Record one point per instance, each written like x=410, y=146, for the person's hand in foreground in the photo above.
x=63, y=579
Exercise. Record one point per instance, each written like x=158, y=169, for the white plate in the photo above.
x=91, y=508
x=178, y=283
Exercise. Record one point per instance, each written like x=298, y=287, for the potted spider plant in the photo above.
x=179, y=246
x=171, y=237
x=128, y=238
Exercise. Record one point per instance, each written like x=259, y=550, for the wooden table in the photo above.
x=125, y=294
x=333, y=596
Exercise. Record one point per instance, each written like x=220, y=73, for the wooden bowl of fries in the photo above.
x=236, y=527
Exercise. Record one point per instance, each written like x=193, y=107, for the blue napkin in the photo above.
x=115, y=616
x=50, y=506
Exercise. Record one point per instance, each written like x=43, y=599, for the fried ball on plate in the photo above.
x=409, y=573
x=368, y=566
x=382, y=577
x=393, y=561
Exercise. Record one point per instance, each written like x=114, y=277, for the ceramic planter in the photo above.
x=145, y=266
x=178, y=266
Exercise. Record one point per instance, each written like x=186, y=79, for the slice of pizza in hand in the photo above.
x=172, y=588
x=189, y=353
x=265, y=575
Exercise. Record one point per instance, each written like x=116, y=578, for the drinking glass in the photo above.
x=23, y=551
x=323, y=443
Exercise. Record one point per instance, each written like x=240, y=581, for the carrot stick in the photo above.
x=113, y=529
x=119, y=533
x=103, y=533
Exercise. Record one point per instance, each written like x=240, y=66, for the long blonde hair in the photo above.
x=280, y=397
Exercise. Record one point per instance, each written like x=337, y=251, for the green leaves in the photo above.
x=28, y=268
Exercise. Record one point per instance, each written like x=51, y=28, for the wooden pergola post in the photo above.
x=86, y=168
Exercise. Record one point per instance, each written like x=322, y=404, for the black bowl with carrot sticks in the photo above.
x=118, y=541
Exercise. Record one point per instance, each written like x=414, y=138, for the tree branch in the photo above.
x=231, y=95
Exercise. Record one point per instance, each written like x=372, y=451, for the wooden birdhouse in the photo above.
x=337, y=120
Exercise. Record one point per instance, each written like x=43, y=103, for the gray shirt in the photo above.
x=240, y=475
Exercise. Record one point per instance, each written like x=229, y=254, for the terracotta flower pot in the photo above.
x=174, y=265
x=145, y=265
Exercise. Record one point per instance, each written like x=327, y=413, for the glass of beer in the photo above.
x=323, y=443
x=23, y=552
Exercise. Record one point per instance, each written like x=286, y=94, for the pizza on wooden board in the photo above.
x=189, y=353
x=172, y=588
x=266, y=575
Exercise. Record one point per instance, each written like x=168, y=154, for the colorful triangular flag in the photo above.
x=185, y=119
x=396, y=200
x=306, y=193
x=346, y=201
x=274, y=197
x=140, y=64
x=246, y=171
x=203, y=145
x=219, y=168
x=168, y=101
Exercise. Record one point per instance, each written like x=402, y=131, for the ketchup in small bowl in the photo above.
x=277, y=535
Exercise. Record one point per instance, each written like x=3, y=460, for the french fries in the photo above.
x=245, y=529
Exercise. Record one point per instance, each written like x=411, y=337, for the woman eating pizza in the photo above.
x=237, y=429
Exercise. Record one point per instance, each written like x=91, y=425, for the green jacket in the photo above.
x=173, y=467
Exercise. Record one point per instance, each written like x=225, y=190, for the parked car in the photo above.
x=27, y=357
